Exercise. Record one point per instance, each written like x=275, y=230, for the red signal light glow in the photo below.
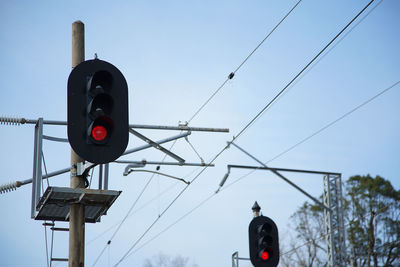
x=265, y=255
x=99, y=133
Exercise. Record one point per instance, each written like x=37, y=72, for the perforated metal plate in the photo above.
x=55, y=203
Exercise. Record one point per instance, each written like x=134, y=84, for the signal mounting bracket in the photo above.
x=82, y=168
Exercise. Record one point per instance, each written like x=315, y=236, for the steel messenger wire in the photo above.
x=232, y=74
x=279, y=155
x=243, y=130
x=199, y=110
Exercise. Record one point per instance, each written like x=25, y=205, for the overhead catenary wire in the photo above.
x=328, y=125
x=279, y=155
x=137, y=210
x=132, y=212
x=175, y=222
x=211, y=196
x=232, y=74
x=242, y=131
x=209, y=99
x=124, y=219
x=242, y=177
x=335, y=44
x=132, y=206
x=221, y=86
x=301, y=72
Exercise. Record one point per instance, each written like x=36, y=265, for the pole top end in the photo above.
x=78, y=22
x=256, y=209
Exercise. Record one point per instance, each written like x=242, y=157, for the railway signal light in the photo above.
x=263, y=242
x=97, y=111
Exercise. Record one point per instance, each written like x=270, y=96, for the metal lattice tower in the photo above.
x=334, y=220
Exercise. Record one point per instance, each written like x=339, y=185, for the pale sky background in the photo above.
x=174, y=55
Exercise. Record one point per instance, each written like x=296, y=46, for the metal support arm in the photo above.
x=283, y=178
x=157, y=146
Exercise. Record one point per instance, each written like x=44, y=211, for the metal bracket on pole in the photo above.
x=129, y=151
x=106, y=172
x=37, y=166
x=81, y=168
x=55, y=139
x=283, y=178
x=157, y=146
x=235, y=257
x=144, y=162
x=103, y=176
x=332, y=204
x=180, y=127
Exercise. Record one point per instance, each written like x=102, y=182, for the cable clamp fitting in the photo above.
x=77, y=169
x=81, y=168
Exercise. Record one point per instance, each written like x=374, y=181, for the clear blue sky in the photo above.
x=174, y=55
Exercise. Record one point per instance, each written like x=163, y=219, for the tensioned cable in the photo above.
x=132, y=206
x=198, y=206
x=129, y=214
x=124, y=219
x=175, y=222
x=334, y=45
x=195, y=151
x=223, y=84
x=277, y=25
x=232, y=74
x=280, y=154
x=45, y=168
x=48, y=261
x=130, y=209
x=241, y=64
x=320, y=130
x=167, y=208
x=133, y=212
x=292, y=147
x=284, y=89
x=45, y=227
x=246, y=127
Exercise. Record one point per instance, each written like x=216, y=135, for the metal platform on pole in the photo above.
x=55, y=203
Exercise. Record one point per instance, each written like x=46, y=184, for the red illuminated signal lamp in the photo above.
x=99, y=133
x=264, y=255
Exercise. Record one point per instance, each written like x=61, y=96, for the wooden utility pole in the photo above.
x=77, y=211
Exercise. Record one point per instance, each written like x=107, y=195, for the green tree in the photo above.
x=372, y=224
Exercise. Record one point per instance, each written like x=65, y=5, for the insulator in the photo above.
x=8, y=187
x=11, y=121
